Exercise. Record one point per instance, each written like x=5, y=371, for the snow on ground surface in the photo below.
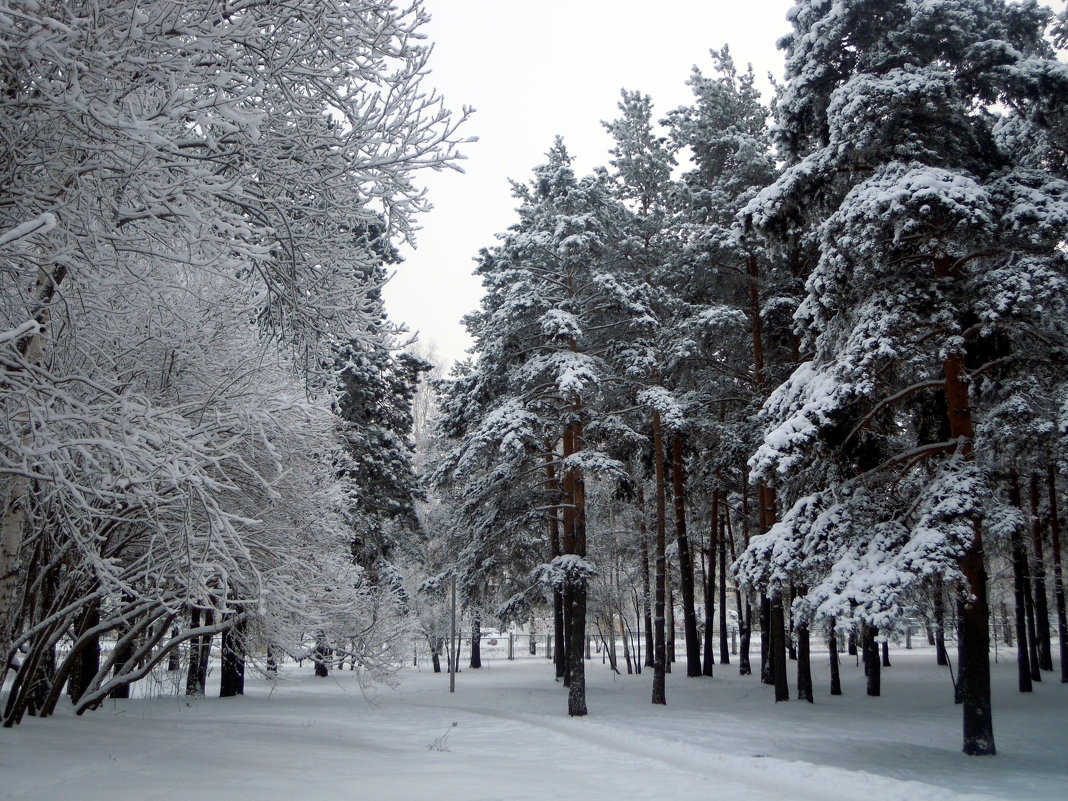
x=724, y=738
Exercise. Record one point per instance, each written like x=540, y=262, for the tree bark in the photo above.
x=724, y=644
x=1019, y=582
x=660, y=578
x=832, y=648
x=476, y=641
x=1058, y=579
x=647, y=605
x=709, y=656
x=778, y=650
x=871, y=659
x=232, y=670
x=686, y=580
x=975, y=623
x=1038, y=581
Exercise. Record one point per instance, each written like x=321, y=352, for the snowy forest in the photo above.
x=786, y=375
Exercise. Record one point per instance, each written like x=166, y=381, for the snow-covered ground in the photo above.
x=719, y=738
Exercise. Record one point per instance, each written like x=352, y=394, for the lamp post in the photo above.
x=452, y=641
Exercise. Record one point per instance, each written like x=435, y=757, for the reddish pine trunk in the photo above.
x=686, y=581
x=659, y=649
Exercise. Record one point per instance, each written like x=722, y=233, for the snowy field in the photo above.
x=721, y=738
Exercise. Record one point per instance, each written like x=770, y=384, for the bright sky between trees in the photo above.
x=535, y=69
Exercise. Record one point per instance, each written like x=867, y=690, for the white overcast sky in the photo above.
x=533, y=69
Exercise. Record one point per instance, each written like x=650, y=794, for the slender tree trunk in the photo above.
x=686, y=580
x=659, y=647
x=941, y=655
x=1019, y=587
x=832, y=648
x=647, y=603
x=709, y=656
x=1058, y=579
x=804, y=666
x=559, y=624
x=724, y=644
x=745, y=609
x=1038, y=581
x=575, y=587
x=778, y=650
x=767, y=657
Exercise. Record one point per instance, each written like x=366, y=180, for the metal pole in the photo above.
x=452, y=641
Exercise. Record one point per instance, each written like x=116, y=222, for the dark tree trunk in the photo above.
x=122, y=659
x=1038, y=581
x=575, y=587
x=724, y=635
x=941, y=655
x=832, y=648
x=555, y=548
x=886, y=653
x=194, y=682
x=87, y=662
x=1019, y=590
x=709, y=656
x=321, y=655
x=778, y=650
x=686, y=580
x=745, y=611
x=975, y=615
x=436, y=644
x=767, y=658
x=1058, y=578
x=804, y=666
x=272, y=663
x=871, y=660
x=476, y=641
x=660, y=577
x=647, y=606
x=851, y=643
x=1032, y=636
x=232, y=670
x=669, y=621
x=174, y=658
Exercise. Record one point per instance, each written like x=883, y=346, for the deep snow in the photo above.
x=724, y=738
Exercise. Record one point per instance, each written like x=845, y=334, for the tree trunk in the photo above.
x=575, y=584
x=232, y=670
x=1058, y=579
x=686, y=580
x=1038, y=582
x=1019, y=589
x=832, y=648
x=804, y=666
x=767, y=657
x=709, y=657
x=647, y=604
x=871, y=659
x=559, y=624
x=778, y=650
x=975, y=623
x=941, y=655
x=659, y=645
x=476, y=641
x=724, y=644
